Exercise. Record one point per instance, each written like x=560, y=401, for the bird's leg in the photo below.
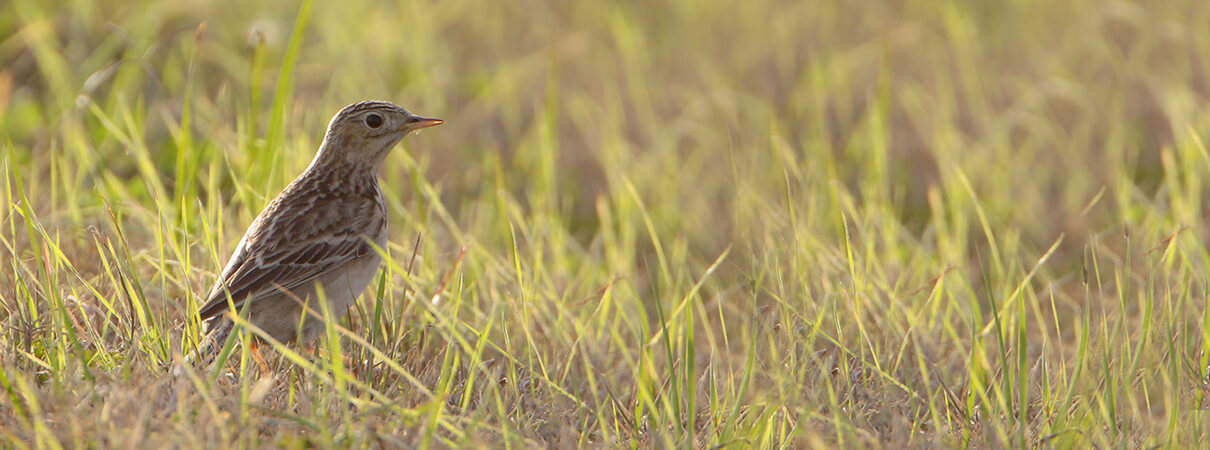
x=349, y=360
x=356, y=364
x=256, y=355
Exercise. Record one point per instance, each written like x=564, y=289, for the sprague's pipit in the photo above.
x=320, y=231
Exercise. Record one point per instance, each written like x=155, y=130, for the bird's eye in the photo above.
x=373, y=121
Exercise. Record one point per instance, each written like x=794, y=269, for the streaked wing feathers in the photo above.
x=300, y=236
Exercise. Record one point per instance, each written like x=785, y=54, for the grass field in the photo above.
x=670, y=223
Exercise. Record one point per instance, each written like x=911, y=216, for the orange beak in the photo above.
x=421, y=122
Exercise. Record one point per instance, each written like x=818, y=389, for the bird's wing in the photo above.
x=292, y=243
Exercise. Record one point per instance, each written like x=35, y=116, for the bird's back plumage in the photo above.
x=314, y=226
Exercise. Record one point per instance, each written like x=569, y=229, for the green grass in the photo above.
x=673, y=223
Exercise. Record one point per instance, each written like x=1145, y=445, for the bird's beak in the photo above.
x=418, y=122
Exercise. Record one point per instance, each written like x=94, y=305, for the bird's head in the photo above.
x=364, y=133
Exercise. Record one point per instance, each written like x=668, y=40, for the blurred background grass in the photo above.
x=663, y=223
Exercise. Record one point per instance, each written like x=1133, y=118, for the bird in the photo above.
x=320, y=232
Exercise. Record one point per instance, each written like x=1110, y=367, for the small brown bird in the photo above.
x=320, y=231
